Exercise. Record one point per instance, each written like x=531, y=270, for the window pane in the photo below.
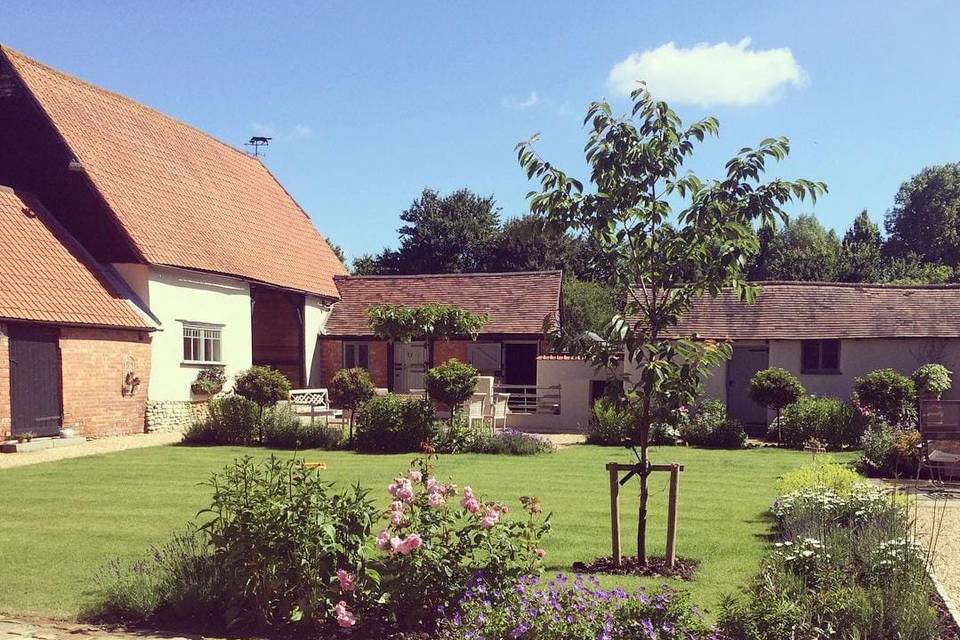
x=810, y=356
x=830, y=355
x=187, y=348
x=363, y=353
x=348, y=356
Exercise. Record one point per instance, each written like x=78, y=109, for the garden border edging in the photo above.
x=942, y=592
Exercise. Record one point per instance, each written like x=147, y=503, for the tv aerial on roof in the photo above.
x=256, y=142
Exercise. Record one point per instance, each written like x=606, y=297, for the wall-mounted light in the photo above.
x=75, y=166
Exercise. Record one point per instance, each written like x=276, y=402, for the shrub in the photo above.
x=263, y=385
x=435, y=546
x=349, y=389
x=664, y=434
x=515, y=443
x=889, y=452
x=451, y=383
x=775, y=388
x=230, y=420
x=577, y=609
x=828, y=420
x=283, y=429
x=279, y=534
x=612, y=422
x=711, y=427
x=394, y=424
x=826, y=476
x=885, y=394
x=457, y=435
x=932, y=379
x=209, y=380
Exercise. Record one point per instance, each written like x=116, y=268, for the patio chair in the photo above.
x=940, y=445
x=476, y=409
x=497, y=412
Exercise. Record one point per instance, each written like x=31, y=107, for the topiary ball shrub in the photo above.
x=349, y=389
x=775, y=388
x=932, y=380
x=264, y=385
x=885, y=394
x=711, y=427
x=394, y=424
x=829, y=420
x=451, y=383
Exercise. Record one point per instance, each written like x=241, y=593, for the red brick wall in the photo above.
x=4, y=383
x=93, y=363
x=331, y=360
x=443, y=350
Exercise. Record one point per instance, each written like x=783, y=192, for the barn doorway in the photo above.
x=744, y=364
x=35, y=396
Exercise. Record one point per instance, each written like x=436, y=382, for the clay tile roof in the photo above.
x=184, y=198
x=46, y=276
x=517, y=303
x=819, y=310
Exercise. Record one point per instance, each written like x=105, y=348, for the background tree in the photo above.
x=775, y=388
x=860, y=256
x=802, y=249
x=586, y=307
x=337, y=251
x=456, y=233
x=350, y=388
x=911, y=270
x=665, y=259
x=925, y=218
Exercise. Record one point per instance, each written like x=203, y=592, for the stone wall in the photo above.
x=173, y=415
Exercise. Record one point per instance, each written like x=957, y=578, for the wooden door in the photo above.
x=744, y=364
x=35, y=405
x=409, y=365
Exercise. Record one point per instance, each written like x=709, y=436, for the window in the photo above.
x=201, y=342
x=820, y=356
x=485, y=357
x=356, y=354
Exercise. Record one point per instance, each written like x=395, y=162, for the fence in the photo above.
x=531, y=398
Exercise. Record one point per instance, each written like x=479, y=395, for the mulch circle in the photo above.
x=947, y=626
x=683, y=568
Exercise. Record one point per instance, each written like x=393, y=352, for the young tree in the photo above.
x=350, y=388
x=664, y=259
x=775, y=388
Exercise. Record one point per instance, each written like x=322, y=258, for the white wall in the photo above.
x=315, y=315
x=574, y=378
x=177, y=295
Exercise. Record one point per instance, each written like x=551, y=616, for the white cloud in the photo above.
x=531, y=100
x=705, y=74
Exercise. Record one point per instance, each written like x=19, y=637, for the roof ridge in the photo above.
x=22, y=56
x=855, y=285
x=471, y=274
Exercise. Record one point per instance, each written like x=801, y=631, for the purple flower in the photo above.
x=648, y=629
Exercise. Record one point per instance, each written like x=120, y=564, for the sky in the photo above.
x=368, y=103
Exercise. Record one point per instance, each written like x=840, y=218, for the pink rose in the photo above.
x=404, y=491
x=396, y=517
x=344, y=618
x=346, y=581
x=414, y=475
x=410, y=544
x=467, y=492
x=470, y=504
x=436, y=500
x=433, y=486
x=489, y=519
x=540, y=552
x=383, y=540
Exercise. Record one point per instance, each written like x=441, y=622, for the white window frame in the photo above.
x=356, y=344
x=215, y=332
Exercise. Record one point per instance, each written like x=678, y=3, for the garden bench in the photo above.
x=313, y=403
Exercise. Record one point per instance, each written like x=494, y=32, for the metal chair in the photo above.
x=940, y=430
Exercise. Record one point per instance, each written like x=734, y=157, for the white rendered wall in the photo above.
x=315, y=315
x=178, y=295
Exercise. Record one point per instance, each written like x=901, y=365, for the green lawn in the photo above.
x=61, y=520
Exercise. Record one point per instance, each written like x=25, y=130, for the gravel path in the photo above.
x=51, y=630
x=90, y=448
x=938, y=525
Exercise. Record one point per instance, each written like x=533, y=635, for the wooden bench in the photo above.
x=313, y=403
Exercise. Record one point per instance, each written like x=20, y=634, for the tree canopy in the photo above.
x=801, y=249
x=925, y=219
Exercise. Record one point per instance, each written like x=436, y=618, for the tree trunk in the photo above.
x=644, y=489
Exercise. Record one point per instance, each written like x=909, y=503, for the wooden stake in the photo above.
x=672, y=516
x=615, y=512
